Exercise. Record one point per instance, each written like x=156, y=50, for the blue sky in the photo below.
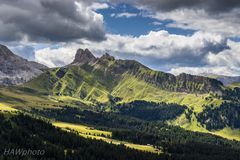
x=136, y=25
x=172, y=36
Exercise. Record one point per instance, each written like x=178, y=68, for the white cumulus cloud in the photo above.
x=160, y=45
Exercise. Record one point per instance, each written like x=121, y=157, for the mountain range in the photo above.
x=122, y=102
x=16, y=70
x=107, y=72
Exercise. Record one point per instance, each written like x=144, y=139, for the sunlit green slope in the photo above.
x=92, y=81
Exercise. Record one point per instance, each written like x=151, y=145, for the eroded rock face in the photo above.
x=15, y=70
x=83, y=57
x=193, y=83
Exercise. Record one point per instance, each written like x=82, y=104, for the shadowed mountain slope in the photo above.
x=16, y=70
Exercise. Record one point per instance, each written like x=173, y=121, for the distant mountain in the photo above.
x=16, y=70
x=226, y=80
x=89, y=77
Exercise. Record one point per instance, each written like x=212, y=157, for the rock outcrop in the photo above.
x=15, y=70
x=83, y=57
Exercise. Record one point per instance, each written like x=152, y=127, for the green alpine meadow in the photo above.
x=119, y=109
x=119, y=80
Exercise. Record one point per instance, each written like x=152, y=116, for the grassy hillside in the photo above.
x=228, y=133
x=6, y=107
x=130, y=88
x=233, y=85
x=84, y=89
x=55, y=107
x=169, y=139
x=22, y=132
x=106, y=82
x=72, y=81
x=90, y=132
x=61, y=144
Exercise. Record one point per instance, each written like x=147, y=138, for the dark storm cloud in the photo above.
x=49, y=20
x=187, y=56
x=168, y=5
x=63, y=8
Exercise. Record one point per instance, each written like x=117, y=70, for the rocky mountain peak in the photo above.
x=84, y=56
x=106, y=56
x=15, y=69
x=5, y=52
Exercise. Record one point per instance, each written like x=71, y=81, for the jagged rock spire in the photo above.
x=84, y=56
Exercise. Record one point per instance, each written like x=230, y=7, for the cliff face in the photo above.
x=83, y=57
x=181, y=83
x=198, y=83
x=16, y=70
